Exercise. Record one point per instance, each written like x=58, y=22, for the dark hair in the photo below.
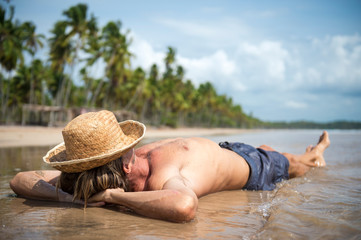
x=85, y=184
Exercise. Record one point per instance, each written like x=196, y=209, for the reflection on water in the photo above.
x=325, y=203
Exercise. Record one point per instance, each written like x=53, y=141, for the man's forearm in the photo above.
x=170, y=205
x=35, y=186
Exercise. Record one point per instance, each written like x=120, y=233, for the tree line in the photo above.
x=312, y=125
x=76, y=46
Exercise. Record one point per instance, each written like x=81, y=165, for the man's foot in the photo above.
x=324, y=141
x=317, y=151
x=309, y=148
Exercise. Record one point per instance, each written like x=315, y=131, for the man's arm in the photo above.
x=175, y=202
x=39, y=185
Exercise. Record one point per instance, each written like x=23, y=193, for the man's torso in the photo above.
x=202, y=165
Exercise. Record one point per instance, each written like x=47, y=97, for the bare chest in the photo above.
x=201, y=164
x=189, y=160
x=165, y=163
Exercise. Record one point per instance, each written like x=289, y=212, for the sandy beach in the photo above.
x=15, y=136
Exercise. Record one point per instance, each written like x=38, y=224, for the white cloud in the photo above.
x=237, y=86
x=339, y=60
x=268, y=57
x=322, y=65
x=145, y=55
x=313, y=74
x=214, y=68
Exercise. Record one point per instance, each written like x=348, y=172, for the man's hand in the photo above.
x=104, y=196
x=65, y=197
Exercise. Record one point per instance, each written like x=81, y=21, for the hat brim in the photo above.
x=57, y=159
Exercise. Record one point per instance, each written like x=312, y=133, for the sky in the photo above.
x=280, y=60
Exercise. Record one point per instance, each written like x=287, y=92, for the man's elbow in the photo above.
x=15, y=182
x=18, y=182
x=18, y=179
x=186, y=209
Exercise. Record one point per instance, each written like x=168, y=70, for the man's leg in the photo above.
x=313, y=157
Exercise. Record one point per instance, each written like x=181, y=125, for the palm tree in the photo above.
x=168, y=89
x=32, y=42
x=93, y=49
x=116, y=55
x=60, y=54
x=10, y=52
x=169, y=60
x=134, y=91
x=206, y=99
x=20, y=86
x=189, y=104
x=42, y=75
x=80, y=29
x=152, y=102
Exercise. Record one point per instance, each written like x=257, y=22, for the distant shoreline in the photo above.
x=23, y=136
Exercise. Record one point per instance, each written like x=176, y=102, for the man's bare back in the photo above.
x=202, y=165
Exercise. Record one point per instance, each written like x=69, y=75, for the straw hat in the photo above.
x=93, y=139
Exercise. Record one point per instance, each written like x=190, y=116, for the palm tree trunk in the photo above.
x=59, y=93
x=87, y=91
x=96, y=93
x=136, y=94
x=31, y=97
x=68, y=87
x=105, y=101
x=4, y=110
x=144, y=110
x=75, y=60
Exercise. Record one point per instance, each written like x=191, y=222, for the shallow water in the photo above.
x=323, y=204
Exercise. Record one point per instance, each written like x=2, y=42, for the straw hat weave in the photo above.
x=93, y=139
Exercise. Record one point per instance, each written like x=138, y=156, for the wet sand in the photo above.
x=16, y=136
x=323, y=204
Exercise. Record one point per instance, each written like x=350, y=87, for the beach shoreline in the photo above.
x=26, y=136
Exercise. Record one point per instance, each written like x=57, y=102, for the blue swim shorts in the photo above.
x=266, y=167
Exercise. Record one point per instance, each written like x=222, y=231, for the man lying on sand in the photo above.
x=98, y=165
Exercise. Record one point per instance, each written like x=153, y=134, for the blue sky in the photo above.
x=280, y=60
